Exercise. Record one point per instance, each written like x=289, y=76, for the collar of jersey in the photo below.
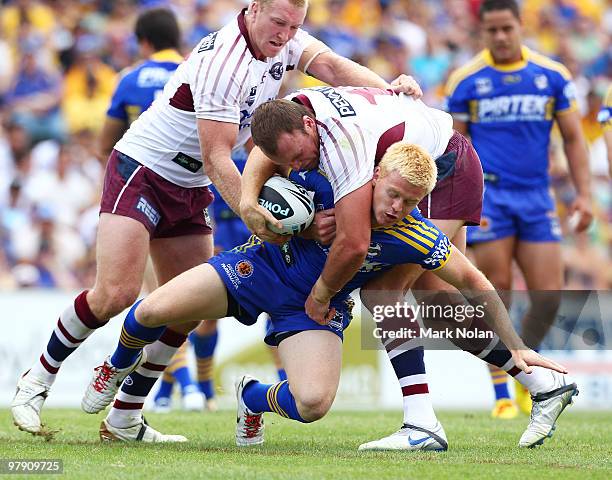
x=508, y=67
x=167, y=55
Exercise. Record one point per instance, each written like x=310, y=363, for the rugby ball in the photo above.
x=289, y=202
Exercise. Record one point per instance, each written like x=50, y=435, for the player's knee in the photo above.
x=148, y=314
x=314, y=406
x=111, y=300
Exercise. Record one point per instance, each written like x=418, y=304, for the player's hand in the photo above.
x=323, y=227
x=256, y=218
x=319, y=311
x=408, y=85
x=526, y=358
x=581, y=210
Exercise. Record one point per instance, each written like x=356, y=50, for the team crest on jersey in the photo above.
x=541, y=81
x=511, y=79
x=244, y=268
x=277, y=70
x=483, y=85
x=208, y=42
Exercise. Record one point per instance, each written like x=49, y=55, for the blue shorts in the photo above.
x=230, y=232
x=250, y=279
x=527, y=214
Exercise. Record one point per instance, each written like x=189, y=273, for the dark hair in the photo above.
x=275, y=117
x=159, y=27
x=494, y=5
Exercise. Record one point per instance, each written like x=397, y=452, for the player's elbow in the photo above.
x=354, y=247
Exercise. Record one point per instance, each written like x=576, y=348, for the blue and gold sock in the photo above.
x=134, y=337
x=277, y=397
x=204, y=347
x=282, y=375
x=499, y=378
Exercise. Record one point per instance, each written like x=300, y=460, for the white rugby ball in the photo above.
x=289, y=202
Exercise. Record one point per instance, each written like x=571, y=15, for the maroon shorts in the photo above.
x=164, y=208
x=458, y=196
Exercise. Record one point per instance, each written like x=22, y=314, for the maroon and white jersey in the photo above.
x=220, y=80
x=357, y=125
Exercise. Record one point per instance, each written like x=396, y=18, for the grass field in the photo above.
x=479, y=448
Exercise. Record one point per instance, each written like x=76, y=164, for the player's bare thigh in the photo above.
x=312, y=360
x=121, y=253
x=541, y=264
x=198, y=293
x=494, y=259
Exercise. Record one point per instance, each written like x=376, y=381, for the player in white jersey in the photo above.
x=155, y=190
x=351, y=129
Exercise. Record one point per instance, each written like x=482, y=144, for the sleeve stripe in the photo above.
x=550, y=64
x=212, y=60
x=350, y=140
x=410, y=242
x=337, y=148
x=456, y=77
x=410, y=231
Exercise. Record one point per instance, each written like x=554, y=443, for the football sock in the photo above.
x=500, y=383
x=73, y=327
x=127, y=407
x=409, y=368
x=277, y=397
x=204, y=347
x=282, y=375
x=134, y=337
x=180, y=370
x=165, y=388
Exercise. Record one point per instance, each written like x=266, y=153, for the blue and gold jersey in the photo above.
x=605, y=114
x=140, y=85
x=510, y=111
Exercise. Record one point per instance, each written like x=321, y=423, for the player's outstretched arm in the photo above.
x=257, y=170
x=319, y=61
x=576, y=152
x=216, y=142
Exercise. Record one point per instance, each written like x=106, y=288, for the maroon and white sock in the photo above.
x=127, y=408
x=73, y=327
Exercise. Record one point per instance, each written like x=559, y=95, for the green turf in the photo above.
x=479, y=448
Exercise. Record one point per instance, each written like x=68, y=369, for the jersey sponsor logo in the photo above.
x=513, y=108
x=231, y=275
x=251, y=98
x=148, y=211
x=440, y=254
x=244, y=268
x=341, y=104
x=540, y=81
x=511, y=79
x=208, y=42
x=153, y=77
x=187, y=162
x=277, y=70
x=484, y=85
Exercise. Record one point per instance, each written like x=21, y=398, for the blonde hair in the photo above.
x=413, y=164
x=295, y=3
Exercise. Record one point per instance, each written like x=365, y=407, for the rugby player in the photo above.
x=156, y=184
x=230, y=284
x=507, y=98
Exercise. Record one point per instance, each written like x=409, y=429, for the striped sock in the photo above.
x=134, y=337
x=165, y=389
x=277, y=397
x=179, y=369
x=204, y=347
x=410, y=371
x=500, y=383
x=127, y=408
x=73, y=327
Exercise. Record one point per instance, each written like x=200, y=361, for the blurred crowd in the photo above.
x=60, y=60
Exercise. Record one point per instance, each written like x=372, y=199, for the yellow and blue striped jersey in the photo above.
x=139, y=85
x=510, y=111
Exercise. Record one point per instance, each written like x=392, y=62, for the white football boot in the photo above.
x=545, y=410
x=411, y=437
x=249, y=425
x=105, y=382
x=141, y=432
x=27, y=404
